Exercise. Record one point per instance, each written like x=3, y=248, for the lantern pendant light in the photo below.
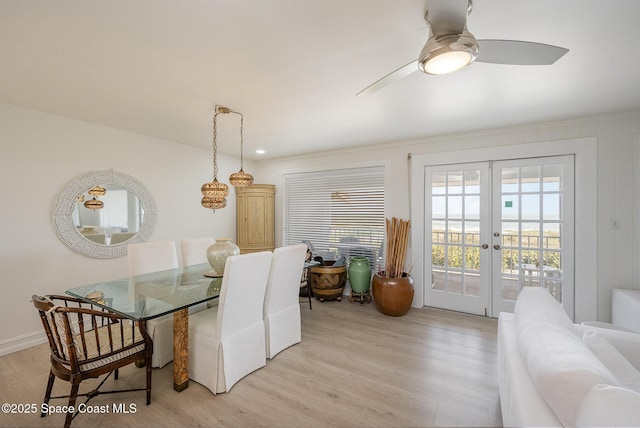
x=241, y=179
x=214, y=194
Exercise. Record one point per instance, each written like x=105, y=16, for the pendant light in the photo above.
x=214, y=194
x=241, y=179
x=94, y=204
x=97, y=191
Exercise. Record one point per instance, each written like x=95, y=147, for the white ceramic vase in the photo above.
x=217, y=254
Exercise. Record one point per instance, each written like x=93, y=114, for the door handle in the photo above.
x=485, y=246
x=497, y=247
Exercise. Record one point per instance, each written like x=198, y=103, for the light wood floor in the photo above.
x=354, y=368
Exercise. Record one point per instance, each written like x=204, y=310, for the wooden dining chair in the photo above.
x=227, y=342
x=88, y=342
x=281, y=301
x=155, y=256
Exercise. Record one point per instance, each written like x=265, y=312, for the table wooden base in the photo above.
x=181, y=350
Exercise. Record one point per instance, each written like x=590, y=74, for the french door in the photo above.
x=492, y=228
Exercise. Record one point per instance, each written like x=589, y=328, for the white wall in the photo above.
x=616, y=136
x=39, y=154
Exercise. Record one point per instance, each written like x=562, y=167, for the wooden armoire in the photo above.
x=255, y=223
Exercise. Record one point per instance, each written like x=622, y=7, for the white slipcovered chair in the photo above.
x=227, y=342
x=281, y=303
x=147, y=257
x=194, y=250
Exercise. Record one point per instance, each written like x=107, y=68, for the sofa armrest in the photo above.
x=628, y=344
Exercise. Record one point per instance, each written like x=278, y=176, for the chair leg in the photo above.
x=149, y=368
x=309, y=294
x=47, y=394
x=72, y=402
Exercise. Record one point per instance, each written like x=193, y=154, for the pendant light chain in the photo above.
x=214, y=194
x=241, y=179
x=241, y=141
x=215, y=145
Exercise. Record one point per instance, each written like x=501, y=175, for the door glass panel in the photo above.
x=454, y=256
x=530, y=237
x=438, y=207
x=471, y=182
x=438, y=183
x=455, y=233
x=530, y=179
x=552, y=235
x=472, y=232
x=472, y=207
x=551, y=207
x=438, y=234
x=532, y=251
x=510, y=181
x=510, y=207
x=552, y=178
x=530, y=207
x=454, y=280
x=510, y=234
x=455, y=207
x=454, y=182
x=472, y=284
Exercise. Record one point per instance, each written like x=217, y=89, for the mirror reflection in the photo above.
x=110, y=216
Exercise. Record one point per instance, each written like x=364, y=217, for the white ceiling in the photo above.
x=293, y=67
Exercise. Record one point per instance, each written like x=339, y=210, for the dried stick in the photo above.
x=397, y=241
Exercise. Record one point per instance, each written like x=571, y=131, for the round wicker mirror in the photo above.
x=69, y=228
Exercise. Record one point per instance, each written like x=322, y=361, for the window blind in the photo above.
x=338, y=212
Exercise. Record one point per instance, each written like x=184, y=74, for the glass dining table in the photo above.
x=145, y=297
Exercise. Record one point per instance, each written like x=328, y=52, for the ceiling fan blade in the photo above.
x=390, y=78
x=447, y=16
x=515, y=52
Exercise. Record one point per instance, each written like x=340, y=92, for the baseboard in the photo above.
x=15, y=344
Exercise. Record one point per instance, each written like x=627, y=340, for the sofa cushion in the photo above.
x=559, y=362
x=609, y=406
x=614, y=361
x=535, y=305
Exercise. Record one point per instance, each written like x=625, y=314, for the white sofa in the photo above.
x=552, y=372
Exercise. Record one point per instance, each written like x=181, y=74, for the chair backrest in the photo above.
x=283, y=287
x=149, y=257
x=242, y=292
x=194, y=251
x=72, y=327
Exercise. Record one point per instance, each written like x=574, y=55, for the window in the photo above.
x=337, y=212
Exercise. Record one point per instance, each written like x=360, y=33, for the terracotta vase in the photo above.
x=393, y=296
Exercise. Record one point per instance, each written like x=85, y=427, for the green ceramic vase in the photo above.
x=359, y=274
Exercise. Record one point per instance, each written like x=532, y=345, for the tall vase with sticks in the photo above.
x=393, y=287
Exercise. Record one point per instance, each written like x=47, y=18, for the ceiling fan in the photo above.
x=451, y=46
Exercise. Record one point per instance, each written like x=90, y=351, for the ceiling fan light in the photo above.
x=447, y=62
x=448, y=53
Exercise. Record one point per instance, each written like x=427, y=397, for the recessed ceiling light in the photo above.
x=261, y=151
